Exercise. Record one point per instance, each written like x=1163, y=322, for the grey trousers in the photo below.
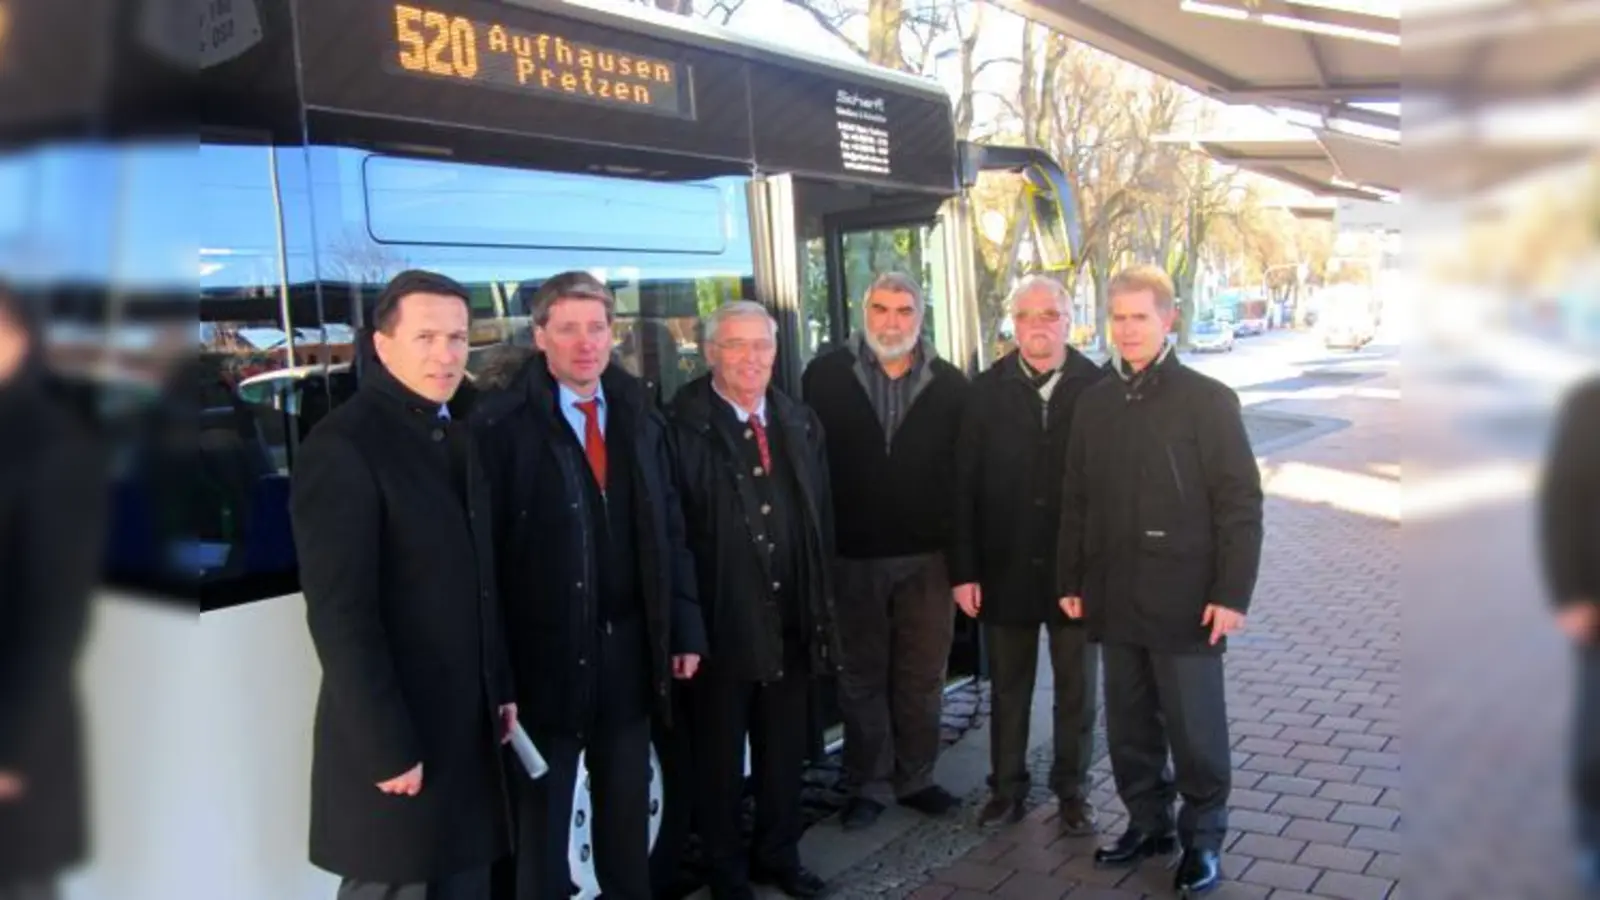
x=896, y=621
x=472, y=884
x=1013, y=664
x=1161, y=701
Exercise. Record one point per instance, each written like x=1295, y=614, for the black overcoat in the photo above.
x=52, y=521
x=391, y=523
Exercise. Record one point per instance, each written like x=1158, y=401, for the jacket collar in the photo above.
x=1076, y=365
x=1153, y=374
x=379, y=380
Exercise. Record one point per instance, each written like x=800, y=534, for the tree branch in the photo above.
x=833, y=28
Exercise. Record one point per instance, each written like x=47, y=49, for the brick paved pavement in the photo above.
x=1313, y=697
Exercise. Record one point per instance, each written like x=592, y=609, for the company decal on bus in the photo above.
x=439, y=45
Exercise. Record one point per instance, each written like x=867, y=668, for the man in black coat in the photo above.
x=596, y=579
x=1161, y=530
x=391, y=522
x=52, y=518
x=891, y=410
x=1569, y=507
x=1003, y=564
x=753, y=478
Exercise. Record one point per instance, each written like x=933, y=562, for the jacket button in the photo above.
x=766, y=509
x=583, y=661
x=777, y=585
x=579, y=585
x=756, y=471
x=438, y=434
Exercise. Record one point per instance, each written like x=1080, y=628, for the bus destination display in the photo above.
x=433, y=44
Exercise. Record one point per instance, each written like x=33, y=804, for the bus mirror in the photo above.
x=1054, y=215
x=1052, y=205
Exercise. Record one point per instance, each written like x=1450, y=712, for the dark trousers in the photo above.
x=472, y=884
x=1585, y=778
x=617, y=756
x=774, y=717
x=1157, y=700
x=1013, y=664
x=896, y=621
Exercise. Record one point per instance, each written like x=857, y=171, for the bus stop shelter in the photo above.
x=1340, y=61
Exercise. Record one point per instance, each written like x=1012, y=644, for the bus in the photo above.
x=343, y=141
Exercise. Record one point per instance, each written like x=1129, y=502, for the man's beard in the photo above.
x=890, y=352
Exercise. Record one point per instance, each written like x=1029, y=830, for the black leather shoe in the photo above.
x=797, y=882
x=860, y=813
x=932, y=800
x=1001, y=809
x=1135, y=845
x=1200, y=871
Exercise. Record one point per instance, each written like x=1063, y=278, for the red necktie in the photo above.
x=761, y=442
x=594, y=443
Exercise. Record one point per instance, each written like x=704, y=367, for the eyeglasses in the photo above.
x=1043, y=316
x=742, y=347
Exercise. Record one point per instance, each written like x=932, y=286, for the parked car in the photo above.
x=1211, y=336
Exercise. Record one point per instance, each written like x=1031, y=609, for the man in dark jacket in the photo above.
x=390, y=512
x=52, y=517
x=891, y=410
x=597, y=581
x=1569, y=502
x=1161, y=529
x=753, y=477
x=1008, y=508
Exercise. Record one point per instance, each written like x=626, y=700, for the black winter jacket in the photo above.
x=1569, y=501
x=548, y=568
x=727, y=535
x=889, y=498
x=1161, y=508
x=1009, y=464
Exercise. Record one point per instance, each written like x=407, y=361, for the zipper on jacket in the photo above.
x=1172, y=462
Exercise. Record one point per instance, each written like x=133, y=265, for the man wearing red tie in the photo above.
x=596, y=580
x=752, y=472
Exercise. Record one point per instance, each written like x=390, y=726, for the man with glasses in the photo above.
x=752, y=476
x=1008, y=507
x=891, y=409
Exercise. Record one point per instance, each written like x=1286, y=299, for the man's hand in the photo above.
x=508, y=718
x=11, y=786
x=1072, y=607
x=969, y=597
x=1223, y=621
x=685, y=665
x=1579, y=620
x=409, y=784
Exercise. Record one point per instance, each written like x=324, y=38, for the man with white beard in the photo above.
x=891, y=410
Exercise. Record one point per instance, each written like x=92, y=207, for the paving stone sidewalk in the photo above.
x=1313, y=694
